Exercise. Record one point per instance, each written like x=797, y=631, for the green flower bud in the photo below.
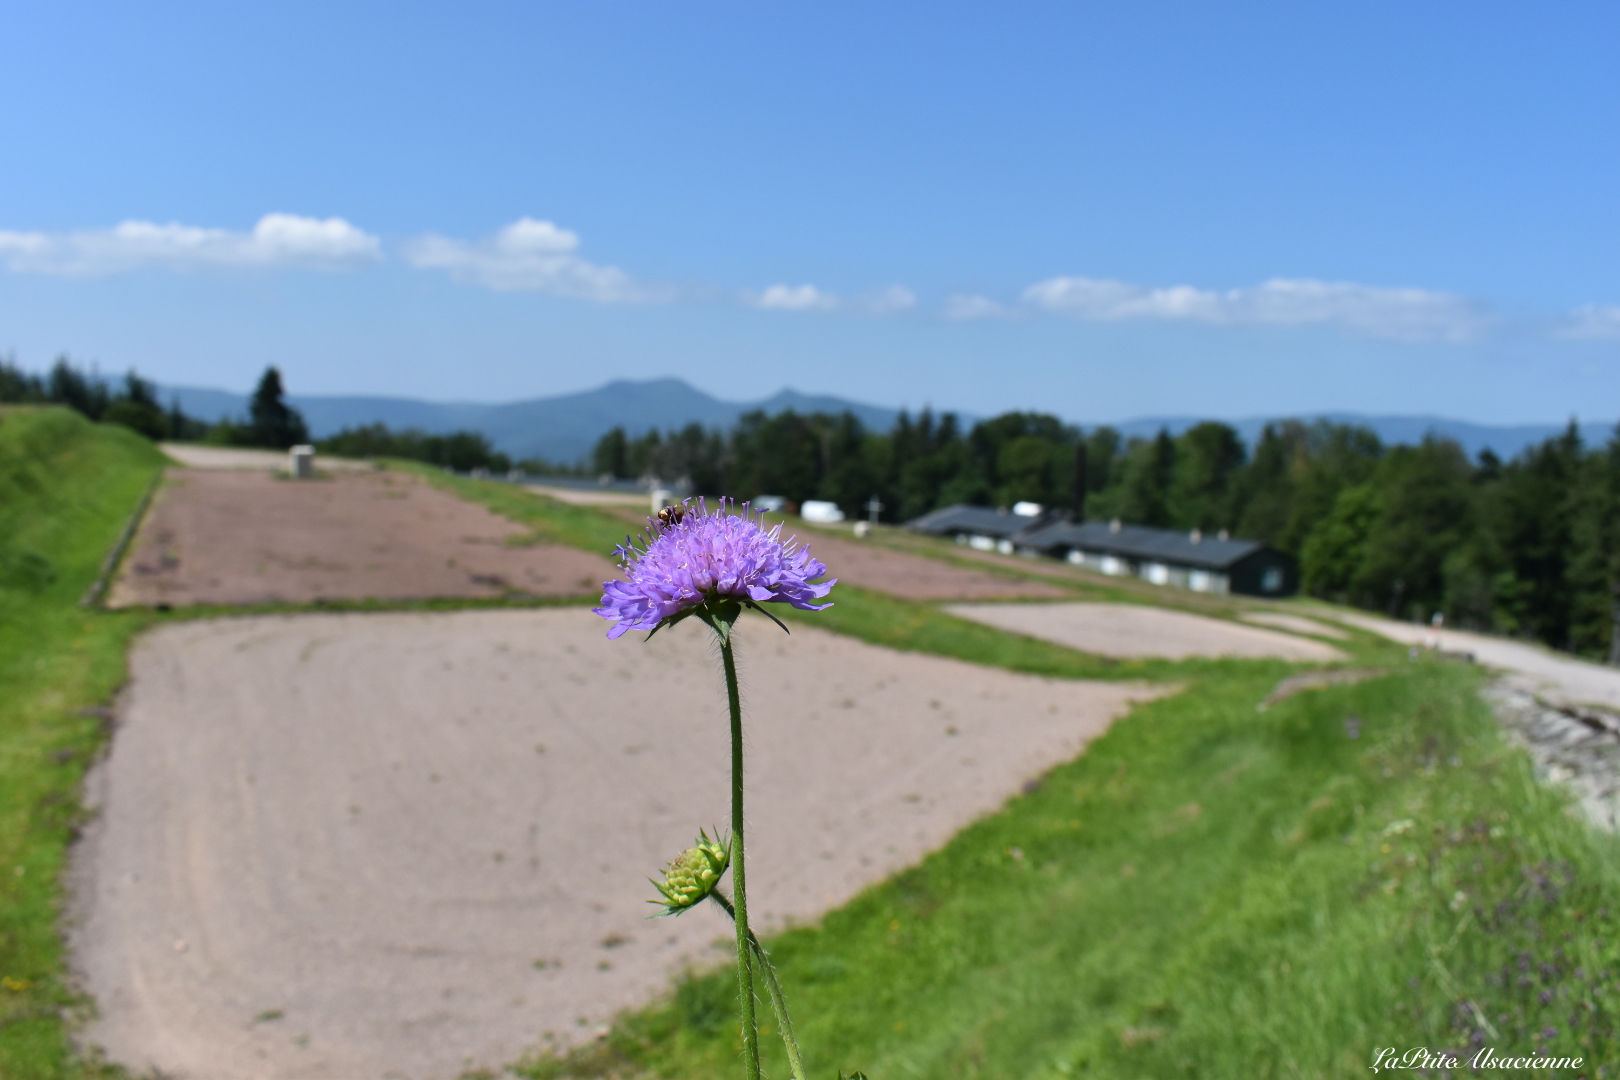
x=692, y=877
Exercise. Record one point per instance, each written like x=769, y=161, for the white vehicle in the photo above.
x=822, y=513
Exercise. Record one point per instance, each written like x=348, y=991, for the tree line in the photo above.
x=270, y=422
x=462, y=451
x=133, y=402
x=1528, y=547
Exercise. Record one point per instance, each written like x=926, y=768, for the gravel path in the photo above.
x=1530, y=668
x=1133, y=630
x=399, y=845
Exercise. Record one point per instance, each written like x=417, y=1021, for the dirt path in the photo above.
x=216, y=536
x=1132, y=630
x=337, y=845
x=1530, y=668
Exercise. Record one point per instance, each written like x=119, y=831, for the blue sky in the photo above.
x=1103, y=211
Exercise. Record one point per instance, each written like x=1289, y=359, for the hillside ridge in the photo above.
x=564, y=427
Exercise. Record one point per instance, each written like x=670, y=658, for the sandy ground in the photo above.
x=914, y=577
x=1132, y=630
x=367, y=828
x=193, y=456
x=1530, y=668
x=1296, y=623
x=241, y=537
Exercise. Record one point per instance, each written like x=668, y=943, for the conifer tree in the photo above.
x=272, y=421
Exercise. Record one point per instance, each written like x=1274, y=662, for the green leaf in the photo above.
x=768, y=615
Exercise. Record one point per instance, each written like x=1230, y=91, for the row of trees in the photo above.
x=270, y=423
x=1528, y=547
x=919, y=464
x=463, y=451
x=133, y=402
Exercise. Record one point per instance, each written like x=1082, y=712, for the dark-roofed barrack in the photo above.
x=1163, y=556
x=978, y=526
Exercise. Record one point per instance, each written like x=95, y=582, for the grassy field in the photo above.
x=66, y=489
x=1211, y=891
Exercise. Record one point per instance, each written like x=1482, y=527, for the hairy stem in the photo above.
x=773, y=987
x=739, y=873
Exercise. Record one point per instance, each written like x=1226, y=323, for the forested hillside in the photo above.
x=1525, y=547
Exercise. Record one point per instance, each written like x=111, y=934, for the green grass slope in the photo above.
x=550, y=521
x=66, y=489
x=1209, y=892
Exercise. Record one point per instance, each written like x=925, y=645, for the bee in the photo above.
x=670, y=516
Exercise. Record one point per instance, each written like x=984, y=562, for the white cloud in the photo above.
x=1400, y=314
x=964, y=306
x=888, y=301
x=1594, y=322
x=277, y=240
x=795, y=298
x=530, y=255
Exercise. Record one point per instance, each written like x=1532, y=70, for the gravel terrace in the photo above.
x=397, y=845
x=224, y=536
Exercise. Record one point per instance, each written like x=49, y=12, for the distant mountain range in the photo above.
x=565, y=428
x=1504, y=440
x=562, y=429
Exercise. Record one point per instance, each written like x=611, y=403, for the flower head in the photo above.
x=698, y=561
x=693, y=875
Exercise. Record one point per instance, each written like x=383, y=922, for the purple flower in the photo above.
x=695, y=557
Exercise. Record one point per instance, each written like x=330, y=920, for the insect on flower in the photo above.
x=693, y=560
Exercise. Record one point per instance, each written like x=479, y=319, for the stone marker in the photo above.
x=302, y=463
